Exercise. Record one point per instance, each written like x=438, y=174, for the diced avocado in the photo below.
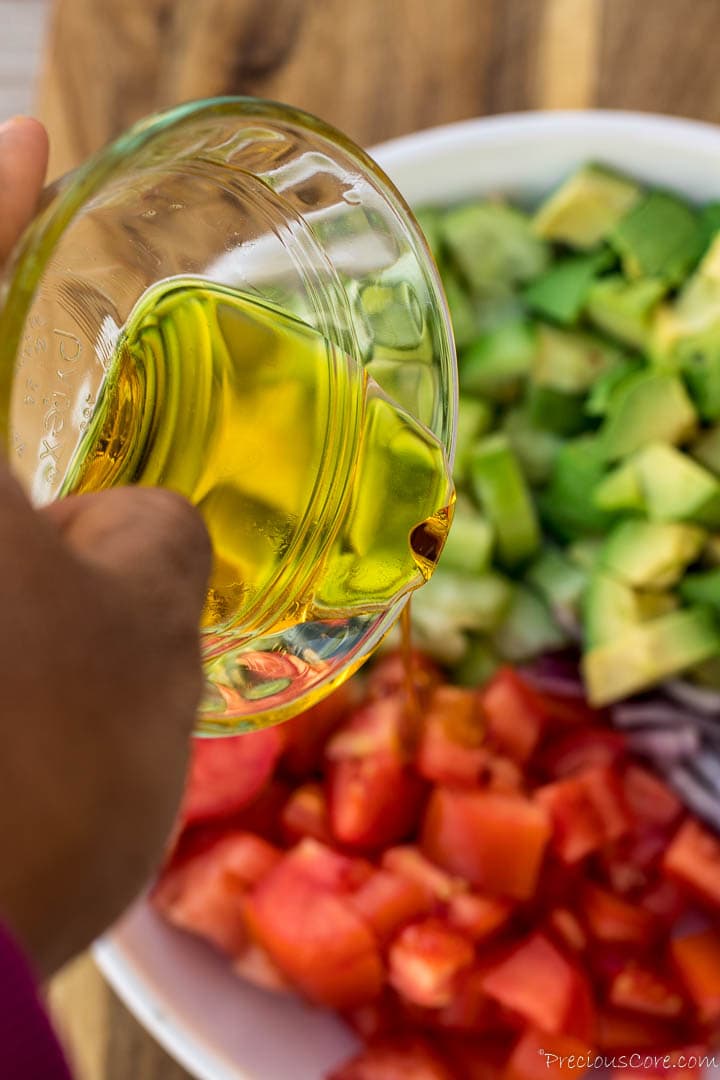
x=498, y=362
x=702, y=588
x=710, y=221
x=567, y=505
x=706, y=673
x=470, y=540
x=475, y=418
x=711, y=551
x=500, y=486
x=651, y=605
x=570, y=361
x=536, y=449
x=610, y=609
x=661, y=236
x=611, y=382
x=651, y=554
x=478, y=665
x=429, y=218
x=528, y=629
x=462, y=311
x=706, y=449
x=651, y=406
x=561, y=292
x=586, y=553
x=560, y=582
x=649, y=653
x=554, y=410
x=493, y=246
x=453, y=603
x=675, y=487
x=624, y=309
x=621, y=489
x=584, y=210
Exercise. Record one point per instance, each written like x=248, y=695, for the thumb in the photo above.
x=150, y=537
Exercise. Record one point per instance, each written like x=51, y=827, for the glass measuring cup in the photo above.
x=256, y=197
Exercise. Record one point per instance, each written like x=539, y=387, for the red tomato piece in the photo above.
x=376, y=1019
x=478, y=916
x=376, y=728
x=306, y=814
x=306, y=734
x=451, y=748
x=566, y=926
x=479, y=1058
x=610, y=919
x=263, y=814
x=641, y=989
x=388, y=675
x=665, y=900
x=328, y=868
x=650, y=801
x=617, y=1032
x=226, y=774
x=204, y=893
x=587, y=812
x=630, y=865
x=693, y=859
x=409, y=862
x=587, y=747
x=496, y=841
x=257, y=968
x=314, y=936
x=387, y=901
x=538, y=1055
x=425, y=959
x=374, y=801
x=470, y=1010
x=697, y=959
x=513, y=713
x=401, y=1058
x=536, y=981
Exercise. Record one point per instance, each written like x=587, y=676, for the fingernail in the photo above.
x=13, y=121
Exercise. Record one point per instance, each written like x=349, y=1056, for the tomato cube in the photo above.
x=307, y=734
x=387, y=901
x=226, y=774
x=586, y=747
x=538, y=1056
x=619, y=1032
x=536, y=981
x=496, y=841
x=693, y=859
x=610, y=919
x=389, y=675
x=400, y=1058
x=513, y=714
x=650, y=801
x=641, y=989
x=425, y=959
x=328, y=868
x=374, y=801
x=306, y=814
x=586, y=812
x=409, y=862
x=478, y=1058
x=451, y=748
x=697, y=959
x=480, y=917
x=255, y=966
x=566, y=926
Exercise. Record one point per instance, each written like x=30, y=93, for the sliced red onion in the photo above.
x=695, y=794
x=698, y=698
x=666, y=746
x=655, y=713
x=555, y=675
x=707, y=765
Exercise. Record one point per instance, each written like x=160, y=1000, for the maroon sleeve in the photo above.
x=29, y=1049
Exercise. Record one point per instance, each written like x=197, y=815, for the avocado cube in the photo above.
x=651, y=554
x=660, y=237
x=624, y=309
x=470, y=540
x=621, y=489
x=493, y=246
x=710, y=221
x=649, y=653
x=702, y=587
x=555, y=410
x=610, y=608
x=586, y=208
x=651, y=605
x=429, y=218
x=500, y=487
x=586, y=553
x=535, y=448
x=676, y=488
x=650, y=406
x=497, y=363
x=570, y=361
x=706, y=448
x=453, y=603
x=528, y=628
x=478, y=665
x=567, y=505
x=560, y=293
x=610, y=382
x=475, y=418
x=560, y=582
x=462, y=311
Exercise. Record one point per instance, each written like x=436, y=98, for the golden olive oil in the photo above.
x=324, y=499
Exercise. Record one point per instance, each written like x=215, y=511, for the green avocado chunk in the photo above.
x=501, y=489
x=706, y=448
x=470, y=540
x=660, y=237
x=528, y=628
x=702, y=587
x=567, y=505
x=665, y=483
x=498, y=362
x=610, y=608
x=560, y=293
x=648, y=653
x=587, y=207
x=651, y=554
x=650, y=406
x=536, y=449
x=624, y=309
x=493, y=246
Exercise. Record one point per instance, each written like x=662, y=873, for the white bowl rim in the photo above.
x=115, y=961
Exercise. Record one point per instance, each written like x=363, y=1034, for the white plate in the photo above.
x=216, y=1026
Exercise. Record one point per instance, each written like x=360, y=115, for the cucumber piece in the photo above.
x=611, y=382
x=536, y=449
x=660, y=237
x=498, y=362
x=610, y=608
x=493, y=246
x=499, y=485
x=702, y=587
x=649, y=653
x=567, y=505
x=651, y=406
x=586, y=208
x=651, y=554
x=469, y=544
x=528, y=629
x=560, y=293
x=624, y=309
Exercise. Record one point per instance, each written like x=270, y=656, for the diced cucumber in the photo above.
x=651, y=406
x=536, y=449
x=624, y=309
x=560, y=293
x=710, y=221
x=651, y=554
x=528, y=628
x=498, y=362
x=567, y=505
x=660, y=237
x=499, y=485
x=585, y=209
x=493, y=246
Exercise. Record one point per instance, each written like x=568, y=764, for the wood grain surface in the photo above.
x=375, y=68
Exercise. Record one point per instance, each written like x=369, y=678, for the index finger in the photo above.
x=23, y=161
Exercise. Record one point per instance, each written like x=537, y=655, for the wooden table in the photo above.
x=375, y=68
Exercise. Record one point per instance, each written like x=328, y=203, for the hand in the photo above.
x=100, y=600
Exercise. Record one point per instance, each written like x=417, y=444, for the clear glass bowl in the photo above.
x=259, y=197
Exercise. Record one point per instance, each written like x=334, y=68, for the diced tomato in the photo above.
x=470, y=1010
x=410, y=863
x=329, y=868
x=586, y=811
x=630, y=865
x=263, y=814
x=496, y=841
x=425, y=958
x=479, y=1058
x=306, y=735
x=566, y=926
x=618, y=1032
x=697, y=959
x=536, y=981
x=388, y=676
x=650, y=800
x=377, y=728
x=586, y=747
x=641, y=989
x=451, y=748
x=693, y=859
x=478, y=916
x=254, y=965
x=204, y=893
x=610, y=919
x=582, y=1018
x=664, y=899
x=306, y=814
x=314, y=936
x=387, y=901
x=374, y=801
x=376, y=1019
x=513, y=713
x=501, y=774
x=227, y=773
x=538, y=1056
x=401, y=1058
